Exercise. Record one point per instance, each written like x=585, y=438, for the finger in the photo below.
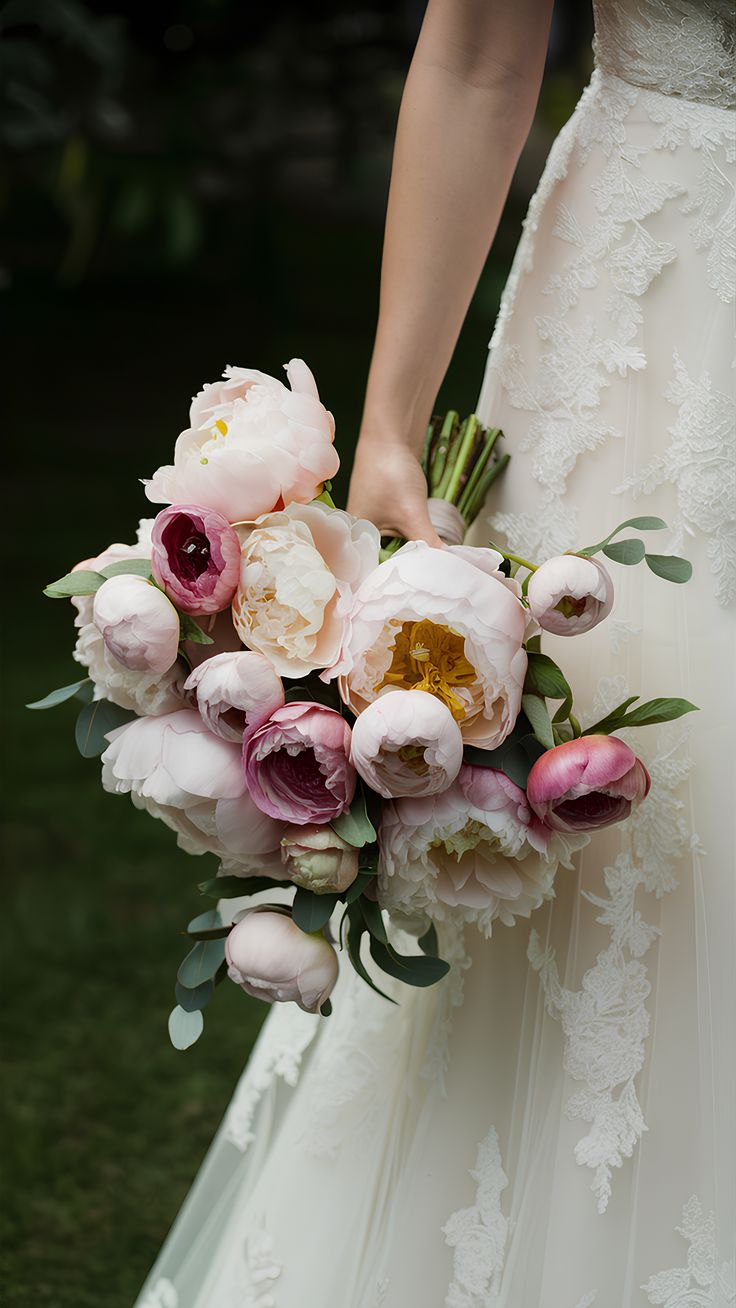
x=417, y=525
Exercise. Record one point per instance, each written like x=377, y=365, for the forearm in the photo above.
x=467, y=108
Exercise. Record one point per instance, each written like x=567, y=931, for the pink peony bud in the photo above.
x=570, y=594
x=235, y=691
x=407, y=743
x=318, y=859
x=297, y=765
x=138, y=624
x=195, y=557
x=271, y=958
x=586, y=783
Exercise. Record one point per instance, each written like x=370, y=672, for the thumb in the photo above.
x=417, y=525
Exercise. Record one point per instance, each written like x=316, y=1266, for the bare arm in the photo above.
x=466, y=111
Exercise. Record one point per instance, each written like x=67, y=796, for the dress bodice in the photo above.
x=683, y=48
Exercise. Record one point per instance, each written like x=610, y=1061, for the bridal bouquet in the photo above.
x=362, y=736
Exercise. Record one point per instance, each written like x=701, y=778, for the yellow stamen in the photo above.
x=413, y=757
x=430, y=657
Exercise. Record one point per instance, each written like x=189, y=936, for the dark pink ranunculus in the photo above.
x=297, y=764
x=195, y=557
x=586, y=783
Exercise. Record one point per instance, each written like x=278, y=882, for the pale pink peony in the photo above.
x=236, y=691
x=297, y=764
x=587, y=783
x=318, y=859
x=253, y=446
x=195, y=558
x=173, y=767
x=138, y=624
x=269, y=957
x=570, y=594
x=430, y=619
x=476, y=849
x=406, y=743
x=300, y=570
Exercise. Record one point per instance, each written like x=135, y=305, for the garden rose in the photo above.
x=297, y=765
x=235, y=691
x=318, y=859
x=195, y=557
x=252, y=446
x=570, y=594
x=272, y=959
x=173, y=767
x=431, y=620
x=138, y=624
x=587, y=783
x=406, y=743
x=476, y=849
x=300, y=569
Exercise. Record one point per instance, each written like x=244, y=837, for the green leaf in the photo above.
x=604, y=726
x=544, y=677
x=360, y=883
x=428, y=943
x=355, y=826
x=356, y=931
x=208, y=926
x=96, y=720
x=628, y=552
x=201, y=963
x=59, y=696
x=191, y=1000
x=184, y=1028
x=311, y=912
x=191, y=630
x=326, y=1009
x=234, y=887
x=534, y=645
x=670, y=566
x=640, y=524
x=414, y=970
x=539, y=719
x=658, y=710
x=128, y=568
x=515, y=757
x=74, y=583
x=373, y=919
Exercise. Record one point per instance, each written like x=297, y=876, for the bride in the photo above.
x=553, y=1125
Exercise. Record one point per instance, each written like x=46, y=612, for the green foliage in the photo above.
x=535, y=710
x=96, y=720
x=670, y=567
x=191, y=631
x=185, y=1027
x=83, y=582
x=355, y=827
x=61, y=695
x=629, y=551
x=644, y=715
x=311, y=912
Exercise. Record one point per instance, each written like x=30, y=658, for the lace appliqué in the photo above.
x=288, y=1033
x=260, y=1272
x=701, y=465
x=703, y=1282
x=606, y=1022
x=478, y=1234
x=161, y=1295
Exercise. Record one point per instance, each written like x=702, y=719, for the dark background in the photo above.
x=183, y=186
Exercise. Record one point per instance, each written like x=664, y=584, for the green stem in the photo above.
x=484, y=485
x=439, y=456
x=466, y=449
x=515, y=558
x=439, y=491
x=466, y=499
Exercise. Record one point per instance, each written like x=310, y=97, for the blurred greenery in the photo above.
x=184, y=186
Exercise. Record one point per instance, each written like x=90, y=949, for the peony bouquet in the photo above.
x=367, y=738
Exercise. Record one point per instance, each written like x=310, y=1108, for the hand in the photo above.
x=389, y=488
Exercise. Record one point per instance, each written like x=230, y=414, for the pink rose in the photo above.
x=318, y=859
x=236, y=691
x=406, y=743
x=570, y=594
x=253, y=446
x=195, y=558
x=587, y=783
x=138, y=624
x=297, y=764
x=269, y=957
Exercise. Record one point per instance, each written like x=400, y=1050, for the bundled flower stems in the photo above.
x=370, y=742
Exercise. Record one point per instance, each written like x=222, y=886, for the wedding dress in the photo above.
x=553, y=1125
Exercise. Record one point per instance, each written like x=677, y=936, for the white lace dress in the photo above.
x=553, y=1126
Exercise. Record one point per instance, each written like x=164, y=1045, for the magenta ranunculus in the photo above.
x=587, y=783
x=195, y=557
x=297, y=764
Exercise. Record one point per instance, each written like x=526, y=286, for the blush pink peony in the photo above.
x=570, y=594
x=236, y=691
x=269, y=957
x=406, y=743
x=297, y=764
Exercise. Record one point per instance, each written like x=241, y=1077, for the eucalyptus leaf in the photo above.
x=670, y=566
x=544, y=677
x=539, y=719
x=96, y=720
x=414, y=969
x=191, y=1000
x=628, y=552
x=326, y=1009
x=355, y=827
x=311, y=912
x=355, y=933
x=128, y=568
x=208, y=926
x=373, y=919
x=191, y=631
x=185, y=1028
x=428, y=943
x=639, y=524
x=82, y=582
x=201, y=963
x=234, y=887
x=361, y=882
x=59, y=696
